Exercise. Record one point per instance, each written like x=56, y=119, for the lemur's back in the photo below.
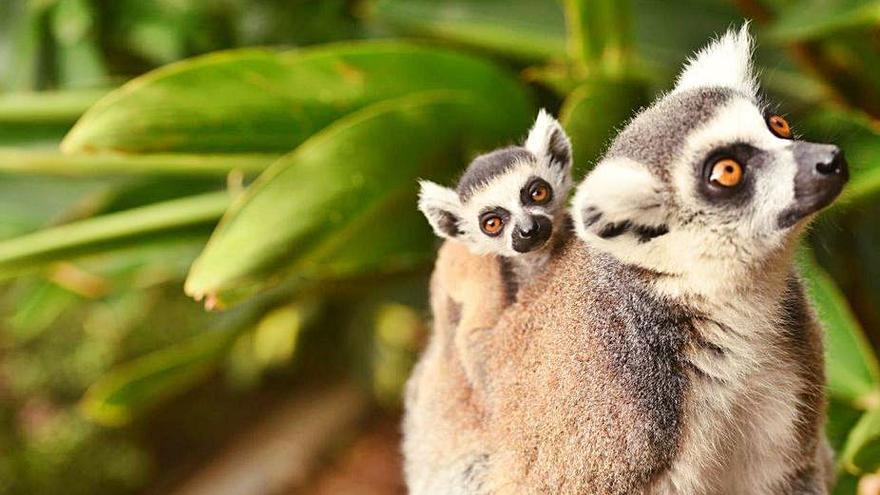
x=595, y=387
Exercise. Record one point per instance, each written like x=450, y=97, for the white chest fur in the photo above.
x=739, y=418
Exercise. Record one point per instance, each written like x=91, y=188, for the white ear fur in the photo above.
x=616, y=191
x=441, y=206
x=725, y=62
x=547, y=139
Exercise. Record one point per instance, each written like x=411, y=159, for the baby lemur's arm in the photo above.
x=443, y=442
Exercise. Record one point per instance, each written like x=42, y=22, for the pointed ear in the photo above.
x=725, y=62
x=441, y=207
x=619, y=197
x=548, y=139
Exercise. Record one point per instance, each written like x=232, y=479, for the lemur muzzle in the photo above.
x=821, y=175
x=531, y=234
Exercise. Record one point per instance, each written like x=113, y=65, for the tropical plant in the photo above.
x=277, y=186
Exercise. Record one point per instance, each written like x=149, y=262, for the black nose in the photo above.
x=531, y=228
x=834, y=163
x=531, y=234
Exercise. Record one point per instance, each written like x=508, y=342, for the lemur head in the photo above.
x=510, y=200
x=706, y=181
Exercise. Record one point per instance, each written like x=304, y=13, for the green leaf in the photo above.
x=527, y=29
x=177, y=217
x=144, y=382
x=842, y=416
x=263, y=101
x=593, y=112
x=344, y=202
x=862, y=451
x=48, y=162
x=138, y=385
x=662, y=47
x=851, y=366
x=847, y=484
x=808, y=20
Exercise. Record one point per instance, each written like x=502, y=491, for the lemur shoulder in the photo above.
x=669, y=347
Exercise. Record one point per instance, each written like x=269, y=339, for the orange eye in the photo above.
x=540, y=193
x=726, y=172
x=492, y=224
x=779, y=126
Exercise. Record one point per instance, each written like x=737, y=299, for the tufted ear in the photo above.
x=441, y=206
x=619, y=197
x=548, y=139
x=725, y=62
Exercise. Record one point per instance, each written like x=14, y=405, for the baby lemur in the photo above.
x=510, y=202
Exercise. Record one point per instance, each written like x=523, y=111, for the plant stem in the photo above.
x=17, y=160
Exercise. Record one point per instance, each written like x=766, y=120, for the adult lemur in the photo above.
x=669, y=348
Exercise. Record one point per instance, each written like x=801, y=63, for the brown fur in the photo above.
x=569, y=395
x=443, y=428
x=562, y=415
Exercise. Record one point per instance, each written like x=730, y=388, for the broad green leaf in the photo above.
x=177, y=217
x=811, y=19
x=344, y=202
x=118, y=397
x=528, y=29
x=593, y=112
x=262, y=101
x=49, y=162
x=861, y=454
x=667, y=32
x=40, y=305
x=851, y=366
x=842, y=416
x=29, y=203
x=136, y=386
x=847, y=484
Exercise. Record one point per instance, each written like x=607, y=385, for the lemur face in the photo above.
x=509, y=201
x=706, y=178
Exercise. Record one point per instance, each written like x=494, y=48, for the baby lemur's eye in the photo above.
x=779, y=126
x=538, y=192
x=726, y=172
x=491, y=224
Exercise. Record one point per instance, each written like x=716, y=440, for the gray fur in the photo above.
x=655, y=136
x=667, y=350
x=645, y=335
x=559, y=148
x=484, y=168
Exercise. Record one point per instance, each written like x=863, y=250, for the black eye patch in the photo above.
x=497, y=212
x=747, y=156
x=535, y=185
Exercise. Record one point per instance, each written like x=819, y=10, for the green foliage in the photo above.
x=522, y=29
x=260, y=101
x=269, y=179
x=316, y=210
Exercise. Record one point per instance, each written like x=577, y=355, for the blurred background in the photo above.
x=155, y=164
